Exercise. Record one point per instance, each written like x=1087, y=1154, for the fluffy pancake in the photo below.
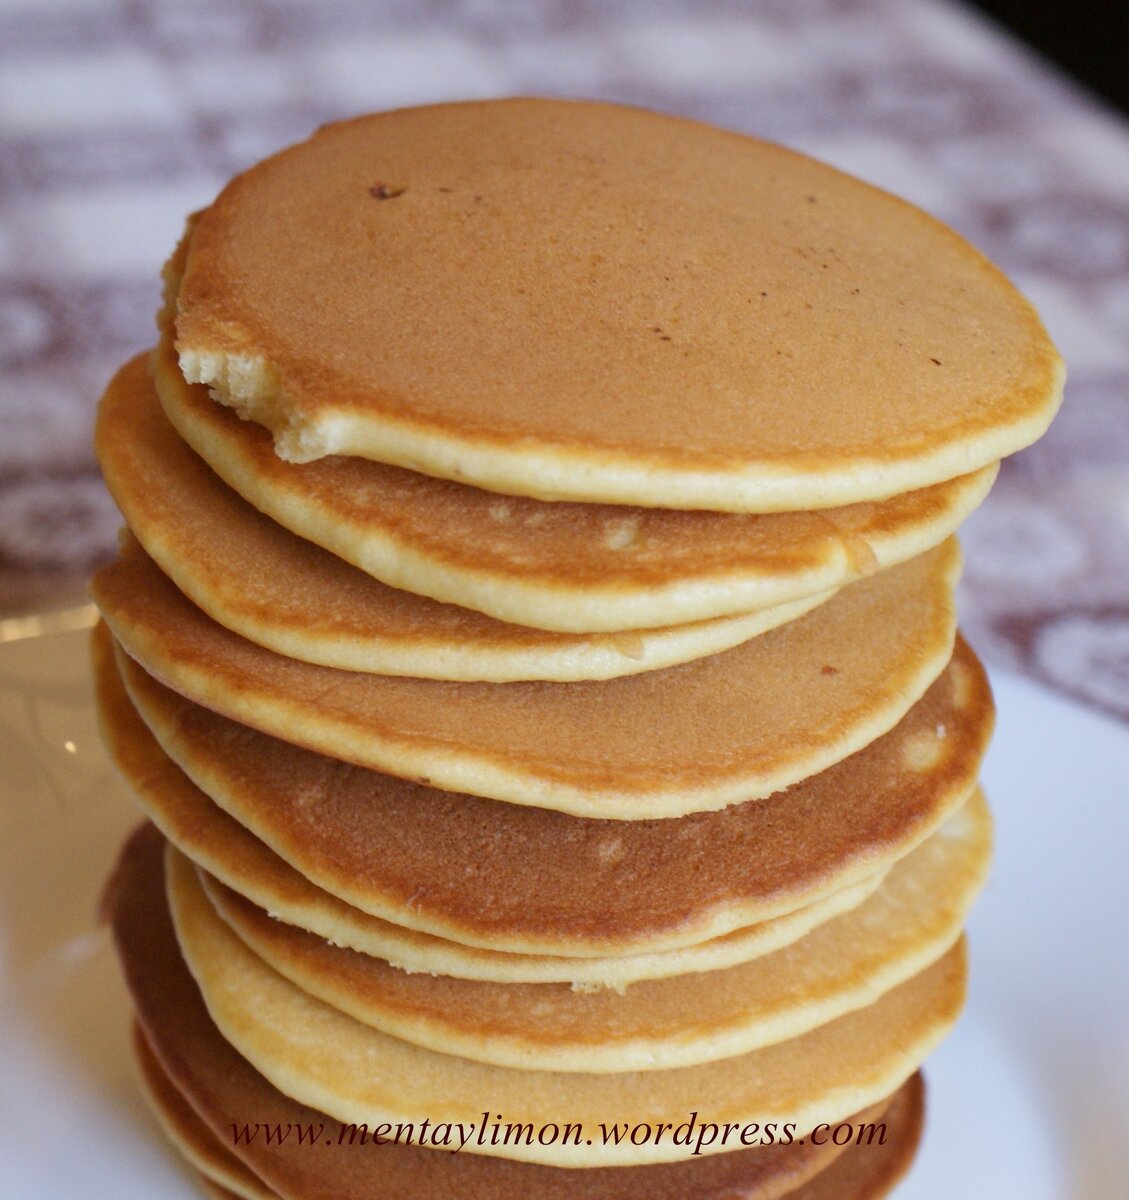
x=841, y=966
x=535, y=881
x=223, y=1087
x=731, y=727
x=252, y=575
x=229, y=851
x=216, y=1191
x=569, y=567
x=328, y=1060
x=858, y=1173
x=576, y=300
x=188, y=1133
x=868, y=1172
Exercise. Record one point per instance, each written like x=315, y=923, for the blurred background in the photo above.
x=116, y=119
x=1086, y=40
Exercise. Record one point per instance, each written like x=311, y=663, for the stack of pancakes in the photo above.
x=534, y=646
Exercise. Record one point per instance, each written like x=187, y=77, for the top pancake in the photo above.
x=577, y=300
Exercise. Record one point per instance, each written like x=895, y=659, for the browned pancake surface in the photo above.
x=188, y=1133
x=529, y=879
x=223, y=1088
x=727, y=728
x=573, y=567
x=862, y=1172
x=254, y=576
x=695, y=1017
x=209, y=836
x=559, y=295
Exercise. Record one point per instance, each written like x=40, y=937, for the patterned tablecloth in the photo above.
x=118, y=118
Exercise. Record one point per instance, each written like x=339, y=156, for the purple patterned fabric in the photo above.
x=118, y=118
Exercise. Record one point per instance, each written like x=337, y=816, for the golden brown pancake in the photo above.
x=843, y=965
x=326, y=1059
x=569, y=567
x=862, y=1172
x=535, y=881
x=868, y=1171
x=731, y=727
x=216, y=1191
x=233, y=854
x=229, y=851
x=223, y=1088
x=252, y=575
x=188, y=1133
x=585, y=301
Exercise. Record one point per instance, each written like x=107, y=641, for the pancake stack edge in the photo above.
x=534, y=649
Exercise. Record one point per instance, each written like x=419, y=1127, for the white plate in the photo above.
x=1029, y=1100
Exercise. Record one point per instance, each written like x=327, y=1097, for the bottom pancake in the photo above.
x=862, y=1172
x=222, y=1170
x=332, y=1062
x=216, y=1191
x=223, y=1089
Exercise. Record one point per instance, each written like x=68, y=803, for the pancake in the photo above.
x=534, y=881
x=570, y=567
x=216, y=1191
x=843, y=965
x=253, y=576
x=585, y=301
x=223, y=1087
x=329, y=1061
x=195, y=1141
x=731, y=727
x=229, y=851
x=869, y=1171
x=846, y=1178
